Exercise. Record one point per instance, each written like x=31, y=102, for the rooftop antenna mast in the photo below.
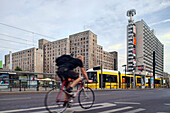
x=131, y=13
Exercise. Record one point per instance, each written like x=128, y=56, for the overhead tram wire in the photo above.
x=15, y=37
x=15, y=42
x=8, y=48
x=27, y=31
x=16, y=49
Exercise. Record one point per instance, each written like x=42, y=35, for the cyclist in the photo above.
x=66, y=70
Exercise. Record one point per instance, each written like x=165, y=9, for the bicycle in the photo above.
x=54, y=99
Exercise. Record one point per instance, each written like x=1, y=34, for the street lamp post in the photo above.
x=125, y=74
x=154, y=67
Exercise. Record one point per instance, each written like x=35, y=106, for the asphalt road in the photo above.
x=126, y=101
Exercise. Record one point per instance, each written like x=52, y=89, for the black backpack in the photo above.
x=63, y=59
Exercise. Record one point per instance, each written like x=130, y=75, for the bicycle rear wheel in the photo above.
x=86, y=98
x=51, y=103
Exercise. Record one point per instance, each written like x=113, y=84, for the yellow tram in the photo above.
x=115, y=79
x=110, y=79
x=146, y=81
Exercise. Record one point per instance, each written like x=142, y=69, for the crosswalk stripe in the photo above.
x=115, y=110
x=136, y=110
x=78, y=108
x=36, y=108
x=162, y=112
x=168, y=104
x=126, y=103
x=19, y=110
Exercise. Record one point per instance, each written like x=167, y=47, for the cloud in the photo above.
x=163, y=21
x=116, y=47
x=165, y=36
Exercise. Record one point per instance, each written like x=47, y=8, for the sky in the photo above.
x=57, y=19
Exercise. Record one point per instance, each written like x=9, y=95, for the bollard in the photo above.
x=10, y=88
x=45, y=86
x=96, y=85
x=19, y=85
x=37, y=85
x=110, y=84
x=87, y=84
x=24, y=88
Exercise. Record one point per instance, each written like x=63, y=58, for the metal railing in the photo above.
x=39, y=85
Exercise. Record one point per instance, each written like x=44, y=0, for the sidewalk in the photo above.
x=42, y=90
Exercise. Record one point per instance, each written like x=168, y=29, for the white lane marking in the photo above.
x=115, y=110
x=136, y=110
x=25, y=98
x=167, y=104
x=83, y=103
x=78, y=108
x=126, y=103
x=162, y=112
x=102, y=105
x=19, y=110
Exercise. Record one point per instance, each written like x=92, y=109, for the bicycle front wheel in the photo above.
x=51, y=101
x=86, y=98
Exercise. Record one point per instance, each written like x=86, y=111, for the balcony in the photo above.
x=129, y=46
x=130, y=42
x=130, y=53
x=130, y=61
x=130, y=65
x=130, y=31
x=130, y=34
x=130, y=69
x=130, y=50
x=130, y=38
x=130, y=57
x=130, y=26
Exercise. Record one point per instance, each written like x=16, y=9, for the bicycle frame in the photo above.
x=58, y=99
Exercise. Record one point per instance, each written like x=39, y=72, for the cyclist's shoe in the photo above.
x=69, y=93
x=65, y=103
x=69, y=105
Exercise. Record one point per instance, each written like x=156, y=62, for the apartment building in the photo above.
x=82, y=43
x=108, y=59
x=147, y=42
x=141, y=42
x=42, y=59
x=51, y=50
x=85, y=44
x=28, y=60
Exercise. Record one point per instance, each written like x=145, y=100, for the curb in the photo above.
x=42, y=92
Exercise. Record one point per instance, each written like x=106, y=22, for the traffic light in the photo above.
x=96, y=67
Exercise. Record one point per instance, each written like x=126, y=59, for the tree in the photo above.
x=18, y=69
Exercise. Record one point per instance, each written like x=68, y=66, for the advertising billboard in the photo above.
x=134, y=40
x=1, y=66
x=134, y=29
x=141, y=67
